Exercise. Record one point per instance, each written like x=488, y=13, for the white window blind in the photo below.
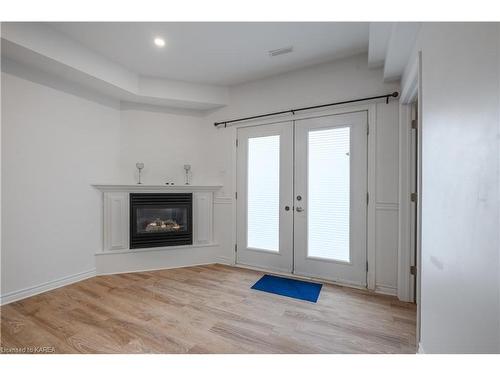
x=263, y=193
x=329, y=193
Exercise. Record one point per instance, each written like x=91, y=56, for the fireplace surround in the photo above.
x=116, y=220
x=161, y=219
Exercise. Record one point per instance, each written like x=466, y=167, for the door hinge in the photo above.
x=366, y=266
x=367, y=198
x=368, y=129
x=413, y=197
x=236, y=142
x=235, y=248
x=235, y=195
x=413, y=270
x=414, y=124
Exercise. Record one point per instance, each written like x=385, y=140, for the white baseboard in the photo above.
x=420, y=349
x=225, y=260
x=154, y=269
x=45, y=287
x=387, y=290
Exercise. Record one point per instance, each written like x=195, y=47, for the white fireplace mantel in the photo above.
x=143, y=188
x=116, y=212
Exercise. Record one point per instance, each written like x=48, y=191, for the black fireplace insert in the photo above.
x=158, y=220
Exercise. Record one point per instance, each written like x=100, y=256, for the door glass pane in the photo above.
x=263, y=193
x=328, y=194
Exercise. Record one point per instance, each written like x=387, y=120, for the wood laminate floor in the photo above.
x=204, y=309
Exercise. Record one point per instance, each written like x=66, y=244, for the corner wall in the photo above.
x=56, y=142
x=54, y=145
x=460, y=307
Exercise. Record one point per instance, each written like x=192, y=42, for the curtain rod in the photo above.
x=395, y=94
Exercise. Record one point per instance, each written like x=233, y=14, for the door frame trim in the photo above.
x=371, y=211
x=371, y=109
x=404, y=222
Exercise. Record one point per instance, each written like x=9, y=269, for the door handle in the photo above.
x=299, y=209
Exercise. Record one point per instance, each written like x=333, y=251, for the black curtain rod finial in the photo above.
x=395, y=94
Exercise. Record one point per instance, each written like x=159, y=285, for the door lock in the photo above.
x=299, y=198
x=287, y=208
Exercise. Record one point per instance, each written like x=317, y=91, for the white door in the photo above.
x=301, y=206
x=265, y=197
x=331, y=197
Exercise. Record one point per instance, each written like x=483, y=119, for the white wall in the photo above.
x=460, y=193
x=54, y=145
x=164, y=142
x=344, y=79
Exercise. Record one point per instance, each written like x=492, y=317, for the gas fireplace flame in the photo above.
x=162, y=226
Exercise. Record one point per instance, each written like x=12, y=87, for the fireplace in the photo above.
x=158, y=220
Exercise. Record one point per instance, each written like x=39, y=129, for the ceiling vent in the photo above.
x=280, y=51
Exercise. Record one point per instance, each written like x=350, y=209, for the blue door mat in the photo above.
x=283, y=286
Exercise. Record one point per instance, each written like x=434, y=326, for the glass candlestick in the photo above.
x=187, y=168
x=139, y=167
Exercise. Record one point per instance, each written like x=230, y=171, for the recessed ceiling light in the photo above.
x=160, y=42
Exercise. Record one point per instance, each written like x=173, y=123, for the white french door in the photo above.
x=331, y=197
x=302, y=197
x=265, y=196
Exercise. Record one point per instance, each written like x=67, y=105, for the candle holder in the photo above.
x=187, y=168
x=139, y=167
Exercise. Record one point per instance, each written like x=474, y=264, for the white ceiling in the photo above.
x=218, y=53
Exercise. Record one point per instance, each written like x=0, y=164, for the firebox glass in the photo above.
x=161, y=220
